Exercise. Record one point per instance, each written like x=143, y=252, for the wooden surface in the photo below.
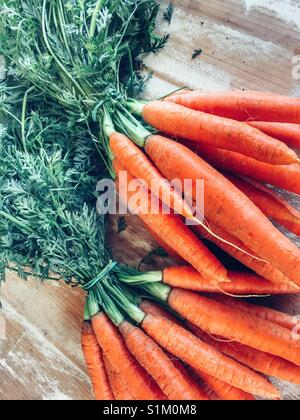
x=245, y=44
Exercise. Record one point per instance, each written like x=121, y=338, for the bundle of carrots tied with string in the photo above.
x=189, y=345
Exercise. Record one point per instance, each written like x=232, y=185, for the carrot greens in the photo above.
x=85, y=56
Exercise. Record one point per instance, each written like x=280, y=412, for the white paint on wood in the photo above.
x=36, y=363
x=286, y=10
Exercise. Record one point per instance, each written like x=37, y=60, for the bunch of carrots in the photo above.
x=216, y=346
x=195, y=340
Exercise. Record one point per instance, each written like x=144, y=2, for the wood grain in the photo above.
x=245, y=44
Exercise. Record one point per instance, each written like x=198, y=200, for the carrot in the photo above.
x=170, y=379
x=186, y=277
x=139, y=166
x=271, y=204
x=285, y=132
x=95, y=364
x=226, y=206
x=264, y=363
x=191, y=379
x=264, y=269
x=164, y=245
x=191, y=350
x=151, y=308
x=175, y=233
x=178, y=121
x=219, y=319
x=261, y=362
x=221, y=388
x=112, y=343
x=286, y=177
x=224, y=391
x=277, y=317
x=243, y=106
x=118, y=385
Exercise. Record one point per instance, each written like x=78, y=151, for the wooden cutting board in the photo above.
x=248, y=44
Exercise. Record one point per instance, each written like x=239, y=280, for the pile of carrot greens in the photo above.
x=65, y=62
x=84, y=55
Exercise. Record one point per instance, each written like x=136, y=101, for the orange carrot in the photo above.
x=95, y=364
x=286, y=177
x=118, y=385
x=200, y=356
x=261, y=362
x=226, y=206
x=277, y=317
x=191, y=379
x=218, y=319
x=270, y=203
x=224, y=391
x=134, y=160
x=178, y=121
x=151, y=308
x=170, y=379
x=221, y=388
x=112, y=343
x=186, y=277
x=175, y=233
x=243, y=106
x=165, y=246
x=264, y=269
x=285, y=132
x=264, y=363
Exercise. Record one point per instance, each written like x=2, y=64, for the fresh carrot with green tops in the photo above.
x=179, y=342
x=285, y=132
x=224, y=391
x=181, y=122
x=95, y=363
x=270, y=203
x=157, y=363
x=259, y=361
x=277, y=317
x=152, y=308
x=186, y=277
x=134, y=160
x=264, y=269
x=242, y=106
x=200, y=356
x=286, y=177
x=218, y=319
x=113, y=345
x=118, y=385
x=175, y=233
x=227, y=206
x=262, y=362
x=221, y=388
